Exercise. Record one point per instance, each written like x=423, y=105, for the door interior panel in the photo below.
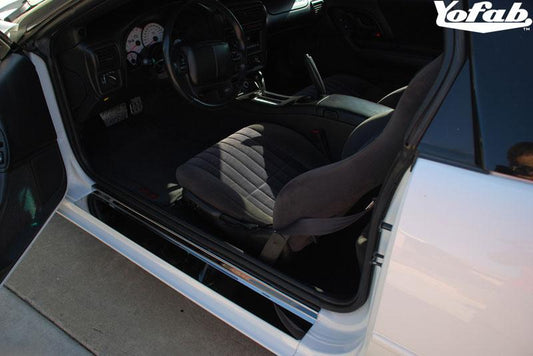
x=384, y=41
x=412, y=25
x=389, y=25
x=32, y=174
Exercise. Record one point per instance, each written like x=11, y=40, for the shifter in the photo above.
x=315, y=76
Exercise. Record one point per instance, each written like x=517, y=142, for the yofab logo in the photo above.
x=482, y=17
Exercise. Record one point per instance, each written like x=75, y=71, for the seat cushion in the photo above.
x=241, y=175
x=346, y=84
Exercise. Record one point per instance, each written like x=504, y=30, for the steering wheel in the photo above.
x=207, y=73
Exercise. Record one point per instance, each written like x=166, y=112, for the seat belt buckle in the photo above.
x=320, y=140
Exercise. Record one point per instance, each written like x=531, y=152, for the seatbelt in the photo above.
x=308, y=227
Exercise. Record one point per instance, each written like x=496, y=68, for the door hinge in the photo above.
x=377, y=259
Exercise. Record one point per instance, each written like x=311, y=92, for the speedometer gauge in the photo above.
x=152, y=33
x=134, y=41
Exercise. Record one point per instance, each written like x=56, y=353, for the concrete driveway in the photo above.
x=72, y=295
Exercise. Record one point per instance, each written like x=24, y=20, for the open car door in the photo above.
x=32, y=174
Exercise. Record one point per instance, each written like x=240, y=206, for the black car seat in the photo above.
x=272, y=189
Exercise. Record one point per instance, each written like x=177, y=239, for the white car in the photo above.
x=384, y=209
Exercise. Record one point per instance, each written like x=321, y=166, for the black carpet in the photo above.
x=143, y=152
x=141, y=157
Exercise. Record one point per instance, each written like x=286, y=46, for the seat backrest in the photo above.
x=332, y=190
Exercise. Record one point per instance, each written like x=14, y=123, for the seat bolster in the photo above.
x=391, y=100
x=365, y=133
x=331, y=190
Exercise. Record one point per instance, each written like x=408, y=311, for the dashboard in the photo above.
x=108, y=54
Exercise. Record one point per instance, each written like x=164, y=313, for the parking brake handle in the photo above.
x=315, y=76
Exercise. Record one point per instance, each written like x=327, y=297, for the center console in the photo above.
x=252, y=16
x=344, y=108
x=347, y=109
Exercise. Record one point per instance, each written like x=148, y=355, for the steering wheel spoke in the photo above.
x=178, y=58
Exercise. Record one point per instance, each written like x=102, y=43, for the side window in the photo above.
x=450, y=135
x=502, y=81
x=486, y=120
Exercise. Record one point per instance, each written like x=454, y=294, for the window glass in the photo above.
x=502, y=78
x=451, y=133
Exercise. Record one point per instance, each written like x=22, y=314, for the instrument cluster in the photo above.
x=140, y=42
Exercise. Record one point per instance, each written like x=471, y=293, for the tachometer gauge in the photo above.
x=152, y=33
x=134, y=41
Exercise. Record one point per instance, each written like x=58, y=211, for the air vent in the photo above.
x=252, y=16
x=316, y=6
x=107, y=58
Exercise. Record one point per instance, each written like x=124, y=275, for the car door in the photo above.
x=32, y=173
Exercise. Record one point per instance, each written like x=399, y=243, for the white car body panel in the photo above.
x=79, y=184
x=460, y=276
